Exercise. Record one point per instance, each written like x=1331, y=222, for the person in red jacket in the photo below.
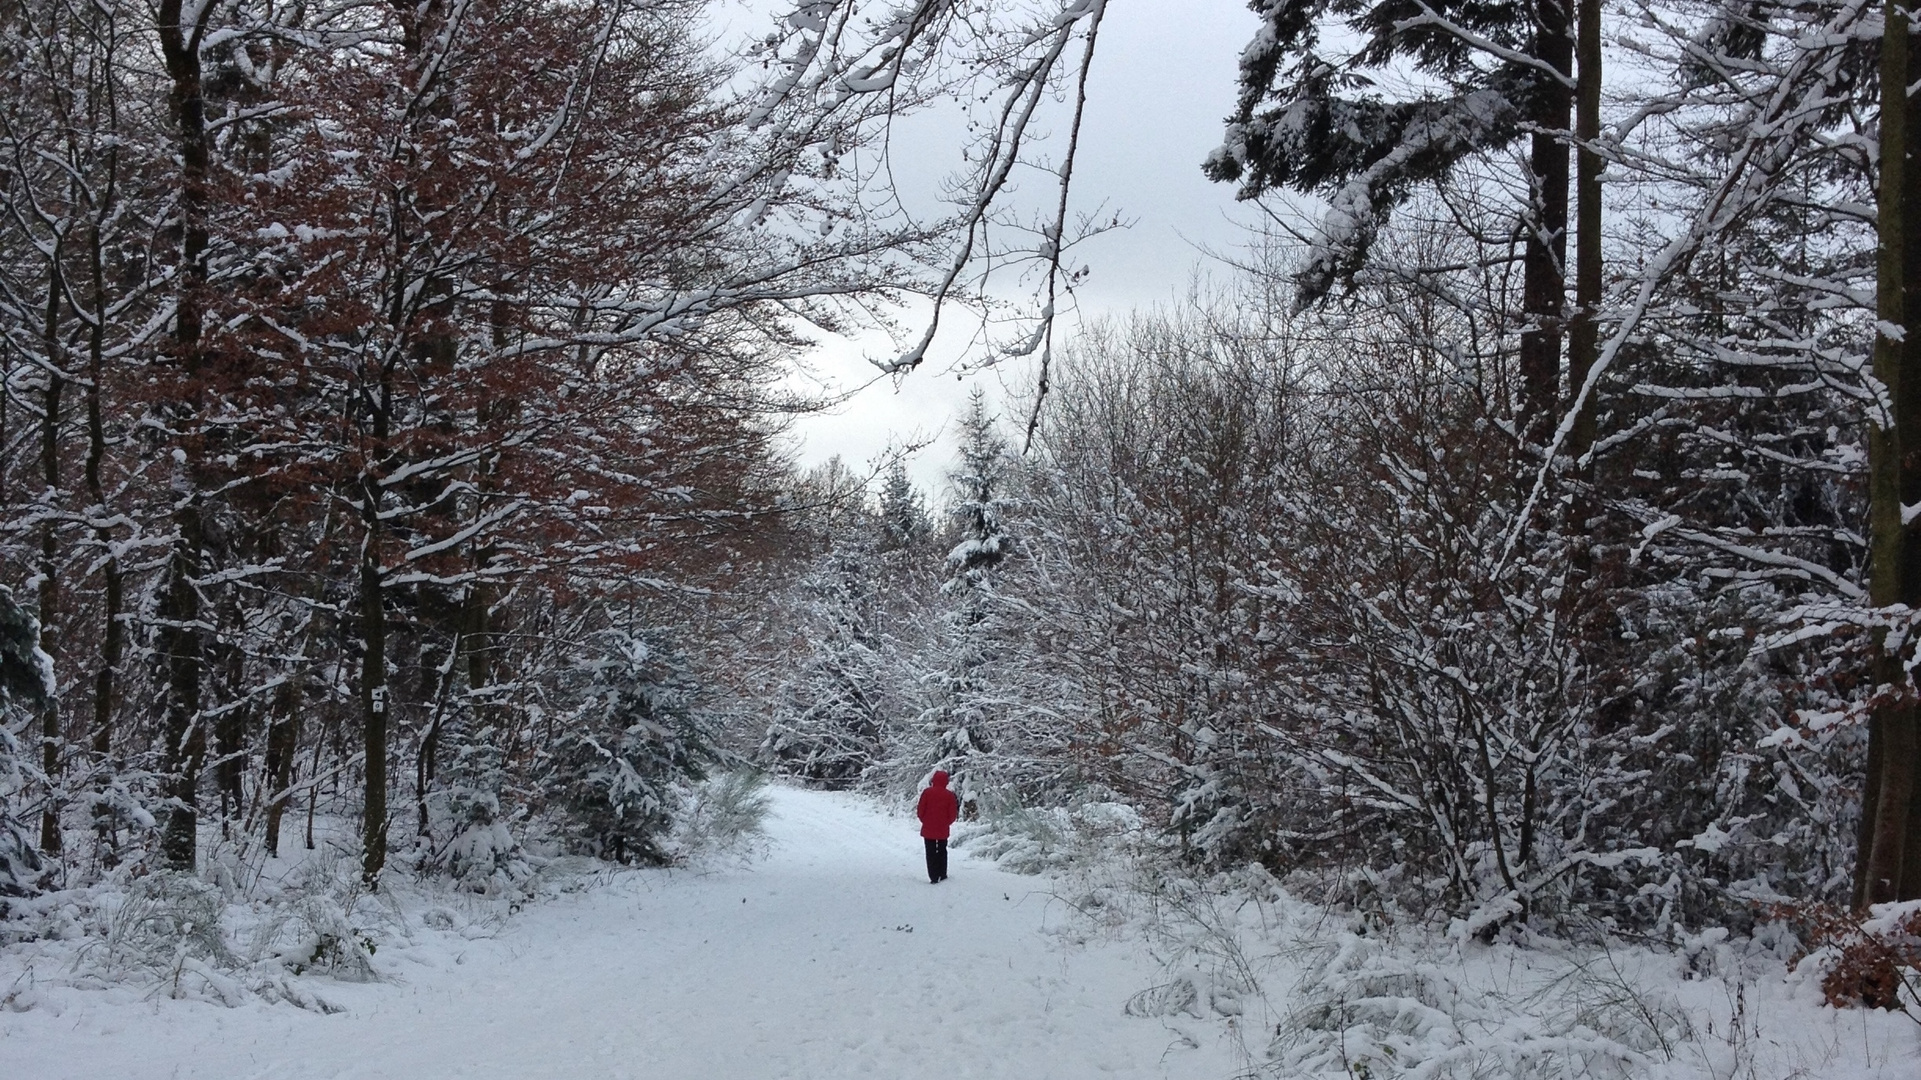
x=937, y=810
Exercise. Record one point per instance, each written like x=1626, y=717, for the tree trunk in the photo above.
x=404, y=306
x=179, y=613
x=1543, y=257
x=230, y=726
x=283, y=742
x=1870, y=798
x=111, y=630
x=1584, y=330
x=373, y=692
x=49, y=570
x=1888, y=864
x=105, y=688
x=186, y=743
x=313, y=793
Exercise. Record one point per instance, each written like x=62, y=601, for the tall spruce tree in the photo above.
x=981, y=498
x=904, y=522
x=829, y=721
x=965, y=702
x=1312, y=118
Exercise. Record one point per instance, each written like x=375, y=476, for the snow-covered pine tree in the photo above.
x=1312, y=118
x=904, y=522
x=829, y=720
x=966, y=704
x=464, y=806
x=980, y=482
x=635, y=738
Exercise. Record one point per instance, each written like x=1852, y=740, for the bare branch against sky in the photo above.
x=1161, y=85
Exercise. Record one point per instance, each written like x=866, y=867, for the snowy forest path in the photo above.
x=832, y=957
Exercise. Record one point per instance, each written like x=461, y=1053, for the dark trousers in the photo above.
x=936, y=859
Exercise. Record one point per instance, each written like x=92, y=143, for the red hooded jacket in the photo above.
x=938, y=808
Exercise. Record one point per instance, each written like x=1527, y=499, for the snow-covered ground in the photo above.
x=833, y=957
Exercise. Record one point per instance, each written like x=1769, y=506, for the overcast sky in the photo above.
x=1163, y=81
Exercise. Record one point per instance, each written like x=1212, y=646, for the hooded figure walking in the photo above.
x=937, y=810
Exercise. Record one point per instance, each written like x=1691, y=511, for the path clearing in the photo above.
x=799, y=966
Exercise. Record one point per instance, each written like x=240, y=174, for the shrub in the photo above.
x=635, y=737
x=726, y=815
x=1864, y=960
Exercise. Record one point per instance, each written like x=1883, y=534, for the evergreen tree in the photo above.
x=966, y=705
x=1312, y=118
x=980, y=481
x=636, y=737
x=829, y=720
x=904, y=522
x=466, y=807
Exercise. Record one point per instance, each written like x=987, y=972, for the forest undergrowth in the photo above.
x=247, y=927
x=1305, y=982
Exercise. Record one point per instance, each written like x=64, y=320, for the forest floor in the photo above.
x=832, y=956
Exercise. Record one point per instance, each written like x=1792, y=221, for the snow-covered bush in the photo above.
x=1023, y=840
x=120, y=815
x=321, y=924
x=166, y=918
x=612, y=780
x=480, y=850
x=1697, y=764
x=230, y=943
x=724, y=815
x=1315, y=992
x=1871, y=959
x=20, y=862
x=315, y=935
x=1368, y=1008
x=1039, y=840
